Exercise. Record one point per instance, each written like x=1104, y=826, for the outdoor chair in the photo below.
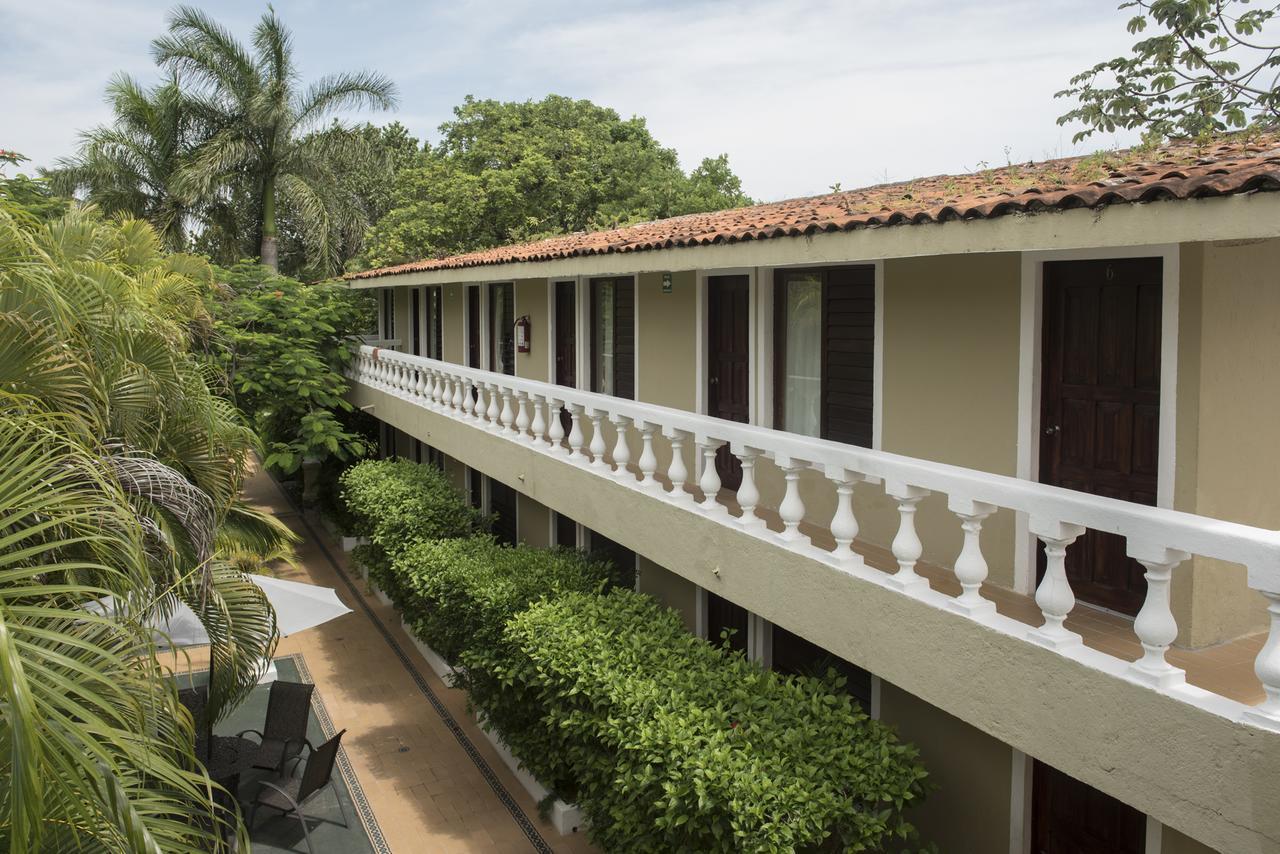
x=291, y=794
x=284, y=733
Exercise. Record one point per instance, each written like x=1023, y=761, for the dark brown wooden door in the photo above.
x=728, y=362
x=724, y=615
x=473, y=326
x=1100, y=406
x=1069, y=817
x=502, y=504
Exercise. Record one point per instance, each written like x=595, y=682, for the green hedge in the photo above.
x=462, y=592
x=675, y=746
x=664, y=741
x=397, y=504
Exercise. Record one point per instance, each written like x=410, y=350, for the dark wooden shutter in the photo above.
x=502, y=503
x=848, y=332
x=415, y=322
x=566, y=531
x=622, y=558
x=434, y=349
x=794, y=655
x=475, y=488
x=473, y=327
x=624, y=338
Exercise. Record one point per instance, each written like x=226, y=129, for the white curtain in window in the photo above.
x=803, y=368
x=604, y=338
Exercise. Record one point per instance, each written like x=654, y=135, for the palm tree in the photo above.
x=129, y=167
x=101, y=370
x=261, y=122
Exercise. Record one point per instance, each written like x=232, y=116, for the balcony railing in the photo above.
x=528, y=412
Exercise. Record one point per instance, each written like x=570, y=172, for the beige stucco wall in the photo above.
x=531, y=300
x=533, y=521
x=671, y=590
x=1173, y=842
x=971, y=772
x=1236, y=464
x=457, y=473
x=1208, y=776
x=453, y=324
x=667, y=344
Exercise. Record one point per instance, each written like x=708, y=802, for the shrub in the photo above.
x=397, y=504
x=461, y=592
x=676, y=747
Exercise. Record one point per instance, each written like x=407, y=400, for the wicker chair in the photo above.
x=284, y=733
x=291, y=794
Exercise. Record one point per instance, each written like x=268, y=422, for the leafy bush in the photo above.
x=461, y=593
x=674, y=746
x=285, y=347
x=397, y=504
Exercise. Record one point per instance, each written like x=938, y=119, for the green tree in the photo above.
x=1207, y=69
x=130, y=167
x=261, y=122
x=511, y=171
x=29, y=199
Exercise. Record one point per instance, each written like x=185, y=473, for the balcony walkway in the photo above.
x=433, y=781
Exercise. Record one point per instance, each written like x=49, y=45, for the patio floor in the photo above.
x=432, y=780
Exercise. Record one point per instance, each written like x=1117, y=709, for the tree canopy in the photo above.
x=513, y=171
x=1207, y=68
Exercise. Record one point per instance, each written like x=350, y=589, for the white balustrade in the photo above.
x=648, y=462
x=971, y=566
x=621, y=450
x=1054, y=594
x=709, y=483
x=906, y=546
x=678, y=472
x=1160, y=539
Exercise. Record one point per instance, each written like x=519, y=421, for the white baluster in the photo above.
x=906, y=545
x=792, y=507
x=555, y=432
x=522, y=416
x=493, y=411
x=468, y=399
x=709, y=483
x=508, y=415
x=447, y=395
x=748, y=493
x=394, y=385
x=1267, y=667
x=434, y=390
x=677, y=472
x=1155, y=626
x=1054, y=594
x=481, y=406
x=971, y=566
x=539, y=425
x=648, y=462
x=575, y=431
x=597, y=447
x=456, y=400
x=844, y=525
x=621, y=450
x=420, y=388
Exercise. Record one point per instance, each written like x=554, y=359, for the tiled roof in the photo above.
x=1181, y=170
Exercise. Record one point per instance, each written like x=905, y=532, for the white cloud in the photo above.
x=800, y=95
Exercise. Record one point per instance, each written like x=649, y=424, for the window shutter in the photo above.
x=624, y=338
x=848, y=354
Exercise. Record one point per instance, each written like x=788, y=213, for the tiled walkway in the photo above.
x=433, y=781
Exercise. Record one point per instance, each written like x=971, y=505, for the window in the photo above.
x=415, y=321
x=502, y=340
x=613, y=337
x=566, y=531
x=475, y=488
x=825, y=334
x=388, y=331
x=622, y=558
x=473, y=326
x=502, y=504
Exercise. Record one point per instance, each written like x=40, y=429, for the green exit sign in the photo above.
x=666, y=283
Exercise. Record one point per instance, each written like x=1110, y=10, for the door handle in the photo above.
x=714, y=381
x=1050, y=431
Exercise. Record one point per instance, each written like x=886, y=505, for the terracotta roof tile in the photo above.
x=1181, y=170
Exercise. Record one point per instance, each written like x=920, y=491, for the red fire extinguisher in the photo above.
x=523, y=334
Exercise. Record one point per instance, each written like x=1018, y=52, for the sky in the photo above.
x=801, y=94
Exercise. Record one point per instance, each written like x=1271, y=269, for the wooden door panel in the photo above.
x=1100, y=406
x=1069, y=817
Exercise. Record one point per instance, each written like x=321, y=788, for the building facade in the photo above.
x=1001, y=447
